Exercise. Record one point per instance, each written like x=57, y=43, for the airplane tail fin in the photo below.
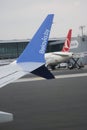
x=66, y=46
x=32, y=59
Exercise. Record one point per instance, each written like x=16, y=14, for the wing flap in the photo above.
x=12, y=77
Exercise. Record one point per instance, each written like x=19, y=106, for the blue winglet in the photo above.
x=35, y=50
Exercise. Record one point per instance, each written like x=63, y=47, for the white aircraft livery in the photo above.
x=54, y=58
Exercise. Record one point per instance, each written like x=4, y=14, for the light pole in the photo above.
x=82, y=28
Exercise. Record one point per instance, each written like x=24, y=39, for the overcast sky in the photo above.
x=19, y=19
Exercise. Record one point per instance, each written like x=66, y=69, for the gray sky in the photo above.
x=19, y=19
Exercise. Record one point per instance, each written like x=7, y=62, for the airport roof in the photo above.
x=61, y=39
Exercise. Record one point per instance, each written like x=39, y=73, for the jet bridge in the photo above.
x=75, y=61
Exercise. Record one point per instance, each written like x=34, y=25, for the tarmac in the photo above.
x=58, y=104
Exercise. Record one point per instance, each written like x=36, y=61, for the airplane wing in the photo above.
x=63, y=54
x=32, y=59
x=5, y=117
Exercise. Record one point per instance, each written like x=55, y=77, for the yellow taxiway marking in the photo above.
x=56, y=77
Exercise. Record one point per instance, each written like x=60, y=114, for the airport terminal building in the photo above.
x=11, y=49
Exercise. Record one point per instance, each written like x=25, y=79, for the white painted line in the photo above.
x=71, y=75
x=57, y=77
x=29, y=79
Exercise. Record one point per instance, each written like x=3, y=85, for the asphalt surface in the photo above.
x=59, y=104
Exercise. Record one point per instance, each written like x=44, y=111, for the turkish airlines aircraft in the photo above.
x=30, y=61
x=54, y=58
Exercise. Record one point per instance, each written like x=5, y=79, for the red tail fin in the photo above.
x=66, y=46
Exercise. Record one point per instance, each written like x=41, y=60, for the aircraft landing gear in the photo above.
x=51, y=67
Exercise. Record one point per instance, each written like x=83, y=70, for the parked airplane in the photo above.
x=54, y=58
x=30, y=61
